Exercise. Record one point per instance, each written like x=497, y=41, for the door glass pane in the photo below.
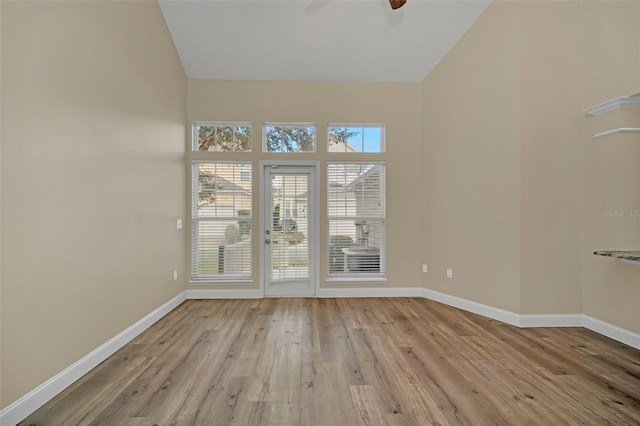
x=289, y=227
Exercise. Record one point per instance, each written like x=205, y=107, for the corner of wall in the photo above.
x=471, y=161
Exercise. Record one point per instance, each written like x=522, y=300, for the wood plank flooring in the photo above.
x=351, y=362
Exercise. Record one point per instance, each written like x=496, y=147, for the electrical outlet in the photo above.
x=175, y=275
x=449, y=273
x=424, y=267
x=179, y=224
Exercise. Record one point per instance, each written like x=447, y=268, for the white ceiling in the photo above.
x=320, y=40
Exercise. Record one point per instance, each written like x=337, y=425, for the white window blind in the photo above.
x=221, y=221
x=356, y=216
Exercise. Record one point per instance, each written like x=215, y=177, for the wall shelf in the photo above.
x=632, y=257
x=615, y=131
x=614, y=104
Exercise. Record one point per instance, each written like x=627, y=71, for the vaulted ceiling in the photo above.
x=317, y=40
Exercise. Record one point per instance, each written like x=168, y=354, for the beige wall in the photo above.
x=93, y=112
x=397, y=106
x=471, y=165
x=612, y=164
x=551, y=146
x=506, y=104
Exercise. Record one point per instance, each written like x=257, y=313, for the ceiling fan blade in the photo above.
x=396, y=4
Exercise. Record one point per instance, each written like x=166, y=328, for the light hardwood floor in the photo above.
x=350, y=362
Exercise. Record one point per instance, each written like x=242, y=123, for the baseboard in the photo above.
x=612, y=331
x=473, y=307
x=518, y=320
x=550, y=320
x=371, y=292
x=538, y=320
x=20, y=409
x=212, y=293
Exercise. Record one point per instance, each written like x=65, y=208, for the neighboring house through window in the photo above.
x=221, y=222
x=356, y=219
x=355, y=138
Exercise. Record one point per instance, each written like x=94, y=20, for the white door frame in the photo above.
x=314, y=203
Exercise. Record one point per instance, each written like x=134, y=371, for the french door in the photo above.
x=289, y=240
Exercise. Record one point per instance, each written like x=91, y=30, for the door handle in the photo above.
x=267, y=241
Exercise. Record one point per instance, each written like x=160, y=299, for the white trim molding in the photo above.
x=612, y=331
x=614, y=104
x=356, y=280
x=214, y=293
x=23, y=407
x=550, y=320
x=538, y=320
x=473, y=307
x=371, y=292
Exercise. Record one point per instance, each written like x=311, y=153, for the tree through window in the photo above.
x=289, y=137
x=222, y=137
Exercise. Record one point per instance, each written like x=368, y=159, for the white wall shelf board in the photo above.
x=614, y=104
x=615, y=131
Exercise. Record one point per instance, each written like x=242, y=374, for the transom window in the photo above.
x=356, y=219
x=289, y=137
x=355, y=138
x=221, y=137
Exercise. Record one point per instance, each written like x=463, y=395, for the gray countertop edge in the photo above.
x=629, y=255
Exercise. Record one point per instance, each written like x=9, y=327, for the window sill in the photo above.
x=226, y=282
x=350, y=280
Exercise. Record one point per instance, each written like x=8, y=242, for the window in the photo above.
x=245, y=173
x=221, y=221
x=298, y=137
x=355, y=138
x=221, y=137
x=356, y=216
